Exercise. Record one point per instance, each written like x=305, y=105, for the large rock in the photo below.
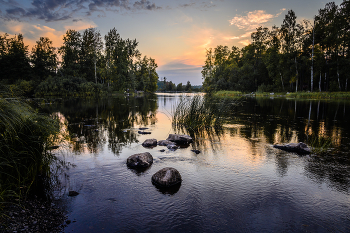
x=300, y=148
x=180, y=139
x=142, y=160
x=166, y=177
x=150, y=143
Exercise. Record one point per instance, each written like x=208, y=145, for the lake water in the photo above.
x=238, y=183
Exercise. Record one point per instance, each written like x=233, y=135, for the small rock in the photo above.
x=73, y=193
x=196, y=151
x=52, y=147
x=164, y=142
x=172, y=147
x=180, y=139
x=143, y=128
x=142, y=160
x=300, y=148
x=162, y=150
x=166, y=177
x=150, y=143
x=142, y=132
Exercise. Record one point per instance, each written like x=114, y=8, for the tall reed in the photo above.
x=25, y=136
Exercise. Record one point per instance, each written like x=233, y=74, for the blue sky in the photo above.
x=175, y=33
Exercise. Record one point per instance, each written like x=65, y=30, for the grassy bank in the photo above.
x=299, y=95
x=25, y=139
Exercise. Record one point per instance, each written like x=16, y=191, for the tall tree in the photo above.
x=70, y=52
x=44, y=58
x=14, y=60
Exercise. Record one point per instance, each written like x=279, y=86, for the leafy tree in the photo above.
x=14, y=59
x=44, y=58
x=70, y=52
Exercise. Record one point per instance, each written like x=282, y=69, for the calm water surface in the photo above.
x=238, y=183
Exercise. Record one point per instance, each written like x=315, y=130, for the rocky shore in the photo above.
x=32, y=216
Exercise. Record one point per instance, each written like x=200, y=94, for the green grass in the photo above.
x=25, y=136
x=300, y=95
x=319, y=95
x=227, y=94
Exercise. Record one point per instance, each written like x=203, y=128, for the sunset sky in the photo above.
x=176, y=33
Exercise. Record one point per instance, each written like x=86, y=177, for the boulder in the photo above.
x=142, y=160
x=300, y=148
x=166, y=177
x=180, y=139
x=165, y=143
x=150, y=143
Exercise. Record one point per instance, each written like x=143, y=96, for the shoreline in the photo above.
x=32, y=215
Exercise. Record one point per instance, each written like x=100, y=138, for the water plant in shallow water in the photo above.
x=25, y=137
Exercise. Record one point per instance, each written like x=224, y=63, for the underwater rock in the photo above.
x=150, y=143
x=180, y=139
x=166, y=177
x=300, y=148
x=73, y=193
x=142, y=160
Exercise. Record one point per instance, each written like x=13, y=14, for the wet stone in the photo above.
x=166, y=177
x=150, y=143
x=141, y=160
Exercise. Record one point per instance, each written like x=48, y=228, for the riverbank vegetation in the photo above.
x=88, y=65
x=297, y=95
x=25, y=138
x=297, y=56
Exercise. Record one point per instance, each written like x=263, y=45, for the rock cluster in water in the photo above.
x=168, y=176
x=300, y=148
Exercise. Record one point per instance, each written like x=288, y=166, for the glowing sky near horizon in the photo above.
x=175, y=33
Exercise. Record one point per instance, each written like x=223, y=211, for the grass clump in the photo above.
x=200, y=113
x=25, y=137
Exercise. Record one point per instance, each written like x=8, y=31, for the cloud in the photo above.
x=253, y=19
x=145, y=5
x=245, y=42
x=57, y=10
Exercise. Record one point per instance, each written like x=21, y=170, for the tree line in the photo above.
x=305, y=56
x=87, y=64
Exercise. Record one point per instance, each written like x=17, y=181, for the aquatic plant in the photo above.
x=321, y=145
x=196, y=114
x=25, y=139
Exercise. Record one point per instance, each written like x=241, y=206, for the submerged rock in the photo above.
x=150, y=143
x=172, y=147
x=142, y=160
x=73, y=193
x=166, y=177
x=300, y=148
x=180, y=139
